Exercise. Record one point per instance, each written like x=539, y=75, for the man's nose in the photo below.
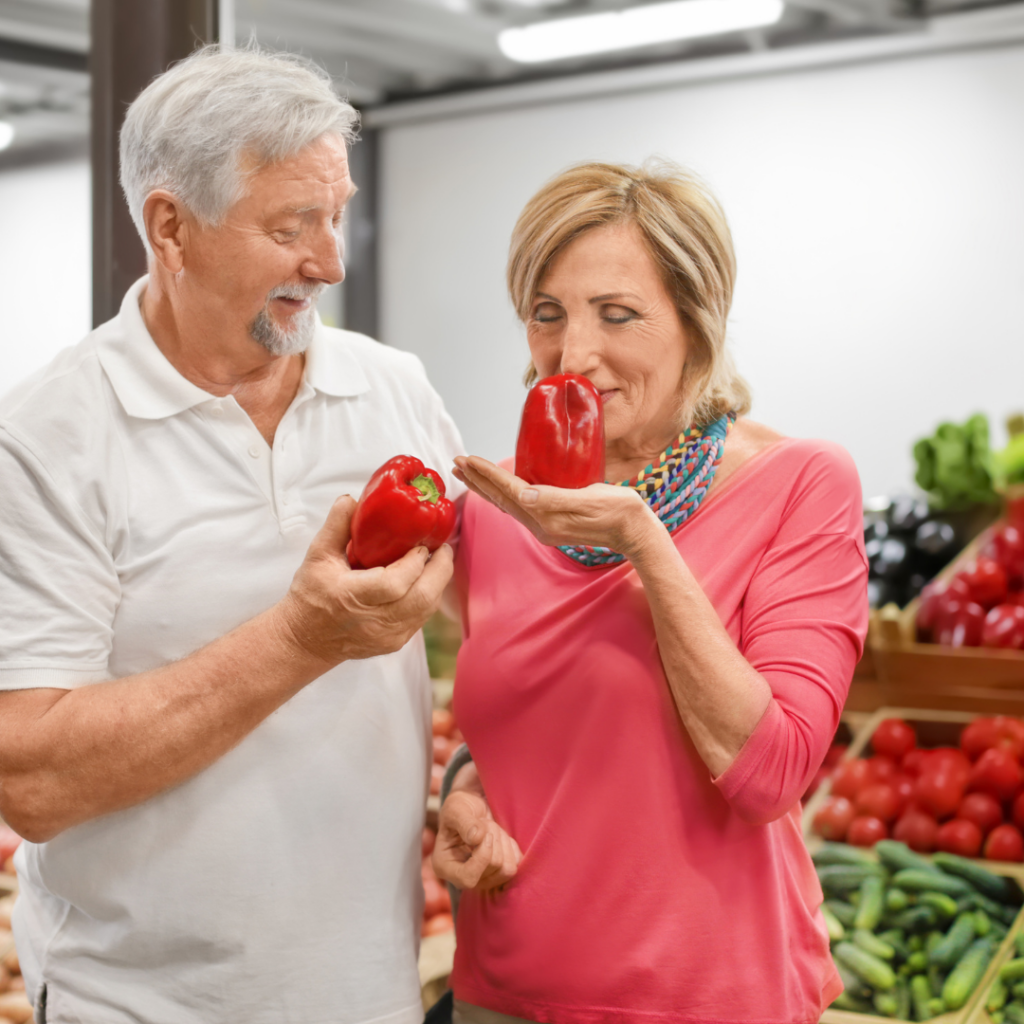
x=326, y=260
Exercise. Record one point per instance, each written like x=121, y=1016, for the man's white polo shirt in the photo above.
x=142, y=518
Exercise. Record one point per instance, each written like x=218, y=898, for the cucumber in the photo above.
x=915, y=942
x=929, y=881
x=916, y=919
x=920, y=994
x=886, y=1003
x=852, y=984
x=1017, y=991
x=936, y=978
x=1012, y=970
x=982, y=923
x=877, y=973
x=955, y=944
x=844, y=1001
x=1018, y=943
x=872, y=902
x=895, y=939
x=841, y=853
x=902, y=999
x=873, y=944
x=945, y=906
x=997, y=995
x=1013, y=1013
x=964, y=977
x=896, y=900
x=996, y=910
x=994, y=886
x=936, y=1006
x=898, y=856
x=844, y=912
x=837, y=879
x=918, y=962
x=836, y=931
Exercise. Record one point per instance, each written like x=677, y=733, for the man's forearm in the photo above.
x=72, y=755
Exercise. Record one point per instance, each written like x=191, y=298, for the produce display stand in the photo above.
x=437, y=954
x=919, y=675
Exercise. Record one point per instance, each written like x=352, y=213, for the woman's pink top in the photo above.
x=648, y=890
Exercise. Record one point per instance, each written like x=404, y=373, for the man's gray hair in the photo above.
x=203, y=127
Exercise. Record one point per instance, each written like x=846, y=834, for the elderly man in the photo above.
x=213, y=732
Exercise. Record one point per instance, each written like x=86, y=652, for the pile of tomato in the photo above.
x=967, y=800
x=982, y=605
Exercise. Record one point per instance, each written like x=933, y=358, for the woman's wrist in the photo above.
x=644, y=535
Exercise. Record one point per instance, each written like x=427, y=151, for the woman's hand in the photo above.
x=600, y=515
x=472, y=850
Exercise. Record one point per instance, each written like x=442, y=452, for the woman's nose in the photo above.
x=579, y=350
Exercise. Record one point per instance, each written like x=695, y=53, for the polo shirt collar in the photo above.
x=149, y=387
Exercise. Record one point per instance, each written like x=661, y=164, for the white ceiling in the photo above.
x=381, y=50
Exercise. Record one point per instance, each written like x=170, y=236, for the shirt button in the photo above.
x=217, y=411
x=254, y=451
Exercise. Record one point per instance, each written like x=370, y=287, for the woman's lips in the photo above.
x=606, y=395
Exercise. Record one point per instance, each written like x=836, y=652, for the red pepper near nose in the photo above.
x=561, y=434
x=402, y=506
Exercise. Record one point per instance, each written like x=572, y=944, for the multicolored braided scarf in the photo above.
x=673, y=486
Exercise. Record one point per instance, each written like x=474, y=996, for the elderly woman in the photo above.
x=651, y=671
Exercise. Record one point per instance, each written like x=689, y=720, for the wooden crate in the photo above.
x=932, y=676
x=979, y=1015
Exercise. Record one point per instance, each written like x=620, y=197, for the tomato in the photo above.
x=986, y=580
x=833, y=818
x=983, y=809
x=1010, y=734
x=998, y=772
x=959, y=836
x=947, y=759
x=917, y=829
x=436, y=899
x=866, y=831
x=835, y=754
x=1004, y=627
x=1006, y=546
x=879, y=800
x=894, y=738
x=934, y=597
x=940, y=791
x=851, y=777
x=442, y=722
x=1005, y=842
x=904, y=787
x=429, y=838
x=912, y=762
x=437, y=924
x=442, y=749
x=882, y=768
x=436, y=778
x=977, y=736
x=959, y=624
x=1018, y=811
x=9, y=842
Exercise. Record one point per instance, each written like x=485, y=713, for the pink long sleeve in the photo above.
x=647, y=888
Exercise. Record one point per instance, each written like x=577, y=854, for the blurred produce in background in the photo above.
x=908, y=539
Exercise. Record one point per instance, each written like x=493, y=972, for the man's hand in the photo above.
x=472, y=850
x=336, y=613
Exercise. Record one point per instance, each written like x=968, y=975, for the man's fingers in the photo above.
x=333, y=536
x=390, y=583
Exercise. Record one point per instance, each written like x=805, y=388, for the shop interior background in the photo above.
x=871, y=170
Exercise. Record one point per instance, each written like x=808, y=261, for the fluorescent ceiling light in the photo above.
x=635, y=26
x=6, y=134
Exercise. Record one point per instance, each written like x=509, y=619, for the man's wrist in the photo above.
x=284, y=626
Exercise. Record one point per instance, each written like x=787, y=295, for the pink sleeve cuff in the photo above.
x=752, y=755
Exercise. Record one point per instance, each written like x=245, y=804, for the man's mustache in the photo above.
x=295, y=291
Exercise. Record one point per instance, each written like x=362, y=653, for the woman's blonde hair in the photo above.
x=687, y=234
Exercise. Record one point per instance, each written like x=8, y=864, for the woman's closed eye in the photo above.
x=547, y=312
x=618, y=314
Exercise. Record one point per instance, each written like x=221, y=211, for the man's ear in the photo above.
x=166, y=224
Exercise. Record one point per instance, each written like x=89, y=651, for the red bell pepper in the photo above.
x=561, y=434
x=402, y=506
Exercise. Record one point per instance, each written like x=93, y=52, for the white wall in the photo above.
x=45, y=264
x=878, y=212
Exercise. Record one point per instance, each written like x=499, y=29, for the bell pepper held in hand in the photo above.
x=402, y=506
x=561, y=434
